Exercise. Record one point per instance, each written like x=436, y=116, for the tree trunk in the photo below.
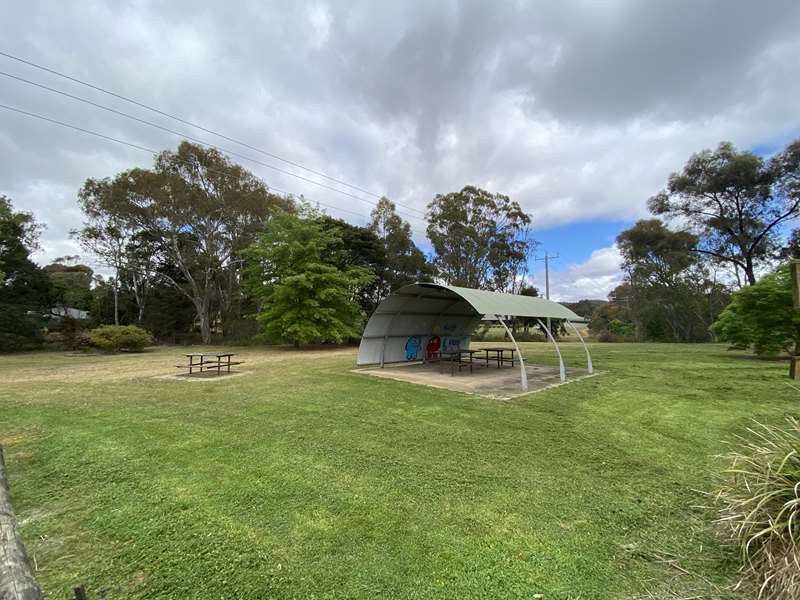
x=16, y=579
x=116, y=301
x=205, y=326
x=203, y=307
x=749, y=271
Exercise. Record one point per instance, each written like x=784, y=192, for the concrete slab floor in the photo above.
x=489, y=382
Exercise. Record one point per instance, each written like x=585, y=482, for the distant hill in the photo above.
x=584, y=308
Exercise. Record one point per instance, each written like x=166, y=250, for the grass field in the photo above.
x=302, y=479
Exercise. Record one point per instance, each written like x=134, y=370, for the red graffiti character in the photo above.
x=432, y=347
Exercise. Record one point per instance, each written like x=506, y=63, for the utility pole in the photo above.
x=547, y=258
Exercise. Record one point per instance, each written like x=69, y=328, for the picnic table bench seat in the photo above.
x=213, y=364
x=216, y=361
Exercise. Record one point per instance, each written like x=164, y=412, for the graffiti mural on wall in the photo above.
x=433, y=346
x=413, y=344
x=452, y=343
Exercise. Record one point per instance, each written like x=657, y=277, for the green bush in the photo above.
x=18, y=330
x=116, y=338
x=759, y=508
x=762, y=316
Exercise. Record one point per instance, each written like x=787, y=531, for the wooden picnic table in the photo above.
x=499, y=355
x=455, y=360
x=220, y=360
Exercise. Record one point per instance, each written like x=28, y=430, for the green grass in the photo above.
x=302, y=479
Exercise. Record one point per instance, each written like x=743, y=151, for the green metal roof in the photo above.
x=498, y=303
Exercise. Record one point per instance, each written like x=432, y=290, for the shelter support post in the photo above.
x=523, y=373
x=586, y=349
x=561, y=369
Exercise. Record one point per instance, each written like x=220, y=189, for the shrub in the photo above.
x=18, y=330
x=116, y=338
x=759, y=508
x=762, y=316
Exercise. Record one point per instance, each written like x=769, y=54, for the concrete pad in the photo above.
x=489, y=382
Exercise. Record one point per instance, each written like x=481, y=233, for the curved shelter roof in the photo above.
x=419, y=316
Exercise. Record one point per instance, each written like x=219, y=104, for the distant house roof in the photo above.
x=72, y=313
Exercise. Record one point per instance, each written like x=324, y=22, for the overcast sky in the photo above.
x=577, y=110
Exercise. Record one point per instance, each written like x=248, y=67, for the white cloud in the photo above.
x=593, y=279
x=577, y=110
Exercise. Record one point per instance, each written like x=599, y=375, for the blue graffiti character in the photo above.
x=413, y=344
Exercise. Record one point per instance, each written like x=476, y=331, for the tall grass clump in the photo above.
x=759, y=508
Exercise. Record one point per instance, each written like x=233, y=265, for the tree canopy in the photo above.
x=480, y=239
x=735, y=202
x=303, y=291
x=25, y=289
x=668, y=293
x=71, y=283
x=404, y=261
x=762, y=316
x=200, y=211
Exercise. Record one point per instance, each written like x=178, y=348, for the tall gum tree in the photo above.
x=480, y=239
x=735, y=202
x=405, y=263
x=200, y=211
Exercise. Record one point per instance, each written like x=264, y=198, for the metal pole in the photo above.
x=585, y=347
x=561, y=370
x=523, y=373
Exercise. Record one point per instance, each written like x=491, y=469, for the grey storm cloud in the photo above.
x=578, y=110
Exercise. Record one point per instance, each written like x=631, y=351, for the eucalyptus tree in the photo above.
x=105, y=232
x=480, y=239
x=404, y=262
x=668, y=290
x=199, y=212
x=735, y=202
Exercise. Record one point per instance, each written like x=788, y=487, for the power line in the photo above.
x=153, y=152
x=184, y=135
x=191, y=124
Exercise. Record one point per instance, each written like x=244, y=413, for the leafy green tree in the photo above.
x=670, y=295
x=25, y=289
x=404, y=261
x=108, y=234
x=360, y=248
x=480, y=239
x=762, y=316
x=611, y=322
x=104, y=233
x=301, y=295
x=71, y=283
x=526, y=322
x=200, y=211
x=736, y=203
x=584, y=308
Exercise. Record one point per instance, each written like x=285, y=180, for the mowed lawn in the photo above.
x=302, y=479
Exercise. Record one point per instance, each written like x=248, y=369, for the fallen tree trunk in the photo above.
x=16, y=579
